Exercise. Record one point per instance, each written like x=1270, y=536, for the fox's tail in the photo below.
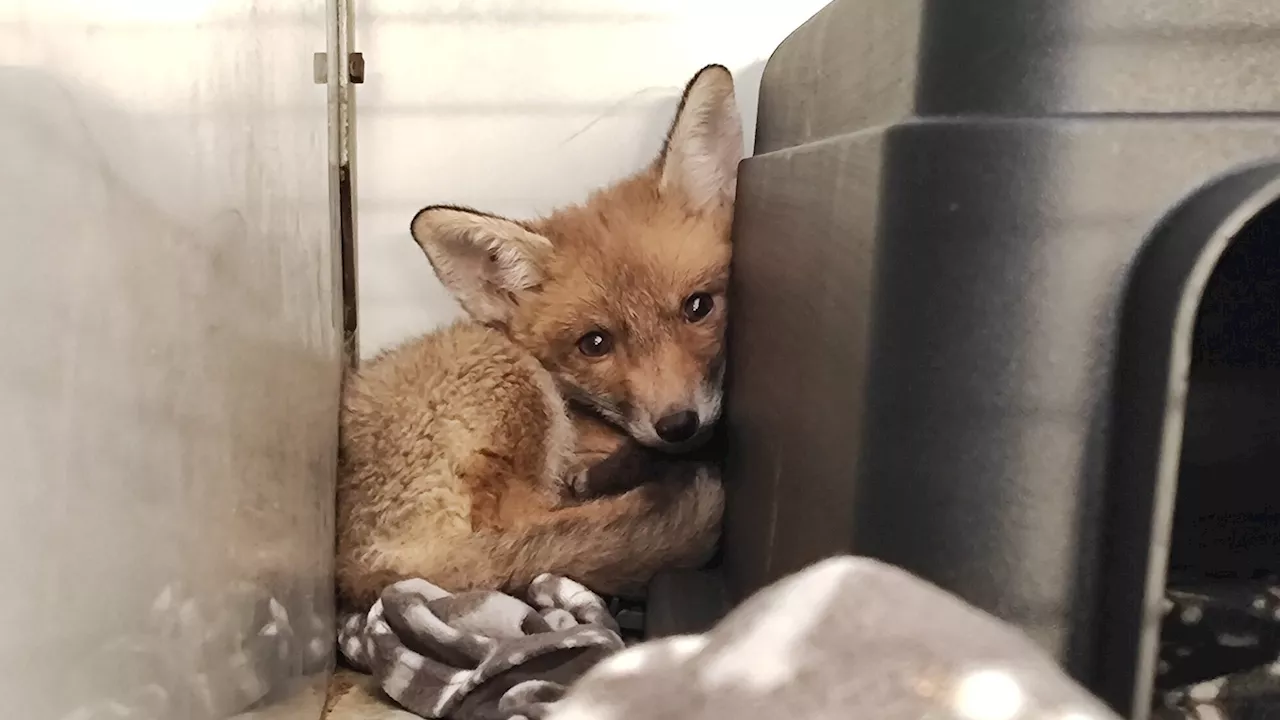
x=615, y=544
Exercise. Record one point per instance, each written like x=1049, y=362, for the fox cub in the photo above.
x=550, y=431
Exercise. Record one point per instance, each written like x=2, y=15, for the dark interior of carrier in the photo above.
x=1220, y=636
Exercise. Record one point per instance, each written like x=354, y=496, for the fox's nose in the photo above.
x=678, y=426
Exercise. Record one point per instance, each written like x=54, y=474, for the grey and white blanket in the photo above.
x=846, y=638
x=479, y=655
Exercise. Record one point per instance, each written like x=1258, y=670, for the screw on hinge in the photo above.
x=355, y=68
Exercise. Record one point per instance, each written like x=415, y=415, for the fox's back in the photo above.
x=423, y=423
x=431, y=379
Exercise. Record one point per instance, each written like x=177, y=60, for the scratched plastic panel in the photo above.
x=170, y=360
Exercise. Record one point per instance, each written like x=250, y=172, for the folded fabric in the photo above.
x=479, y=655
x=846, y=638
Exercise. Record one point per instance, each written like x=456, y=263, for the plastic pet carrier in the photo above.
x=1007, y=289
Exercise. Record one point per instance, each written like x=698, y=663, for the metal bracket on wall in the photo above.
x=340, y=76
x=355, y=68
x=320, y=68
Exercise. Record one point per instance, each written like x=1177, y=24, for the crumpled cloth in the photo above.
x=480, y=655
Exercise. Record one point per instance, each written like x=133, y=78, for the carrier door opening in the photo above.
x=1219, y=652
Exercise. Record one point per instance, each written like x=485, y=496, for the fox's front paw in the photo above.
x=694, y=488
x=579, y=485
x=627, y=468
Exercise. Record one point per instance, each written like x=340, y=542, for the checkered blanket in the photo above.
x=846, y=638
x=478, y=655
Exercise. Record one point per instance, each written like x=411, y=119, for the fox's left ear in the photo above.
x=704, y=146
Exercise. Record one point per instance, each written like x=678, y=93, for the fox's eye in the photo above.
x=596, y=343
x=697, y=306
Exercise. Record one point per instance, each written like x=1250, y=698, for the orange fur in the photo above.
x=463, y=463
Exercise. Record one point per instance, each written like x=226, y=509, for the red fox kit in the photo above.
x=596, y=332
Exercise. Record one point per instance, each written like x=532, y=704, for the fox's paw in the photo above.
x=627, y=468
x=696, y=492
x=578, y=485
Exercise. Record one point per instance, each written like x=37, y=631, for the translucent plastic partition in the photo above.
x=172, y=351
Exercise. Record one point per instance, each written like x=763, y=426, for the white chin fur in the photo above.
x=644, y=434
x=708, y=402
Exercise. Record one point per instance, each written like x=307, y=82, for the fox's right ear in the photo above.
x=485, y=261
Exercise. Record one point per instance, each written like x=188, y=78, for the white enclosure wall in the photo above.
x=170, y=367
x=171, y=297
x=517, y=106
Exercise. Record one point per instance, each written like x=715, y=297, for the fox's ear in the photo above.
x=704, y=146
x=485, y=261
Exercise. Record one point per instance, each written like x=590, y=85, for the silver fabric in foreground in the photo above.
x=846, y=638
